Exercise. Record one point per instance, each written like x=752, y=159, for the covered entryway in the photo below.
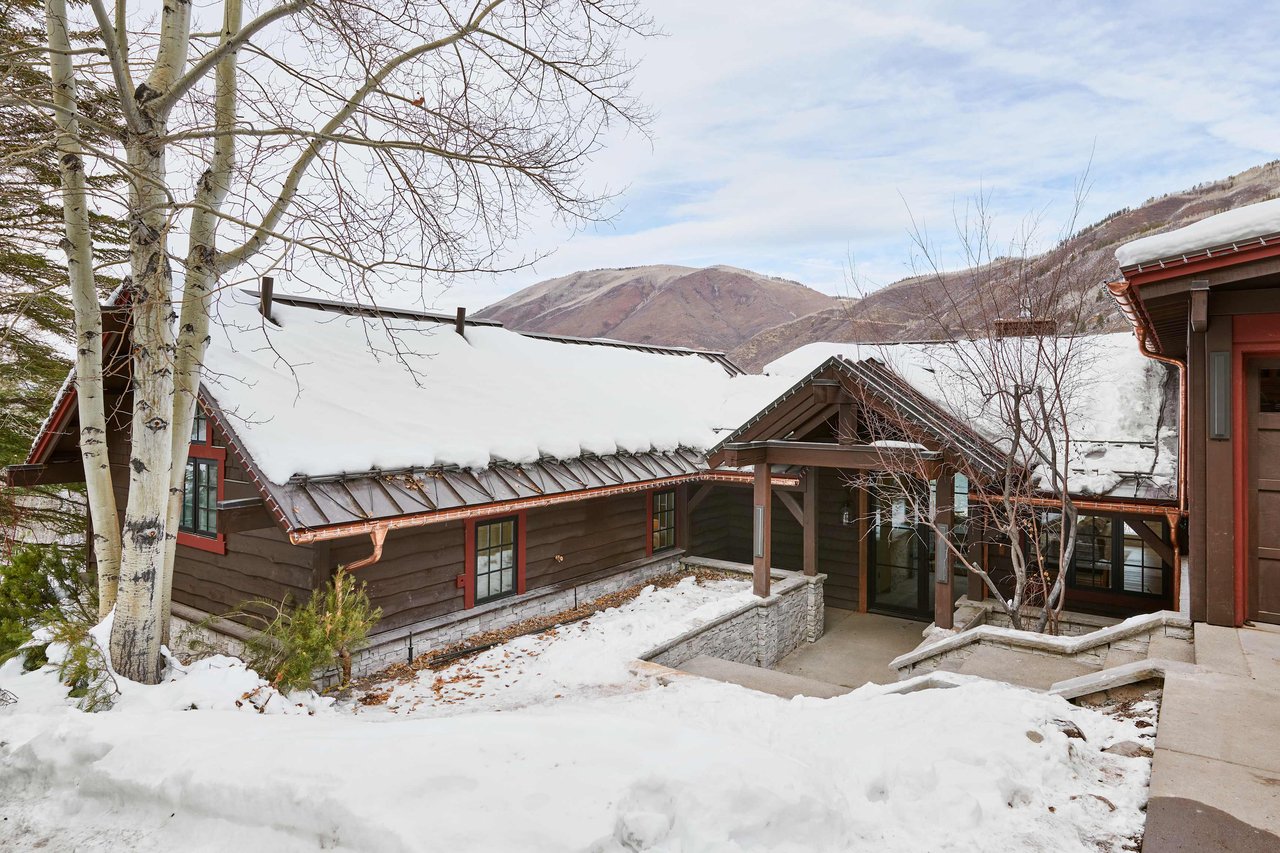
x=1263, y=396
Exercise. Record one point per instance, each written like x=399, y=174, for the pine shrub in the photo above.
x=42, y=585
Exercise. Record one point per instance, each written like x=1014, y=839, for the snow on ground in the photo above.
x=591, y=657
x=693, y=766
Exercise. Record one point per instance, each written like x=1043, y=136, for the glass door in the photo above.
x=901, y=572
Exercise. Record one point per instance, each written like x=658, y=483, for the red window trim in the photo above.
x=206, y=450
x=467, y=580
x=648, y=525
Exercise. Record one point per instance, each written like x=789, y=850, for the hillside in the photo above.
x=717, y=308
x=756, y=318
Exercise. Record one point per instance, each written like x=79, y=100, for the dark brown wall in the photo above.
x=839, y=549
x=721, y=528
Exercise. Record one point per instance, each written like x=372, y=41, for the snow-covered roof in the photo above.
x=1121, y=428
x=1233, y=226
x=326, y=393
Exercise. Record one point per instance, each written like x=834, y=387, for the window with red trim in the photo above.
x=495, y=565
x=202, y=489
x=662, y=520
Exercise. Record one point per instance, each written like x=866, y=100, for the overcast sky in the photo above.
x=793, y=134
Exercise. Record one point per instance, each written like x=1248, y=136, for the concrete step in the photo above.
x=1039, y=672
x=1218, y=650
x=757, y=678
x=1171, y=648
x=1118, y=676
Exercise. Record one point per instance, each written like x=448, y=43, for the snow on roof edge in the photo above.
x=1250, y=222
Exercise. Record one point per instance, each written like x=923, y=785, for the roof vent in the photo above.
x=460, y=324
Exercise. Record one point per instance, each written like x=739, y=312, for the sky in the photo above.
x=792, y=138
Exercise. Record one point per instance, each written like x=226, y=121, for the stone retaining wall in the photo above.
x=1133, y=636
x=761, y=632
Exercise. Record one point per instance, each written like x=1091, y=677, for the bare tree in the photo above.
x=1010, y=366
x=377, y=143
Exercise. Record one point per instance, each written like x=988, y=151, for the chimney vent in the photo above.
x=265, y=294
x=460, y=325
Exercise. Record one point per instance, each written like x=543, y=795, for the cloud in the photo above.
x=790, y=135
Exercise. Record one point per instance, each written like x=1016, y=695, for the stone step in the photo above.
x=1217, y=649
x=1171, y=648
x=1118, y=676
x=1026, y=669
x=1120, y=657
x=757, y=678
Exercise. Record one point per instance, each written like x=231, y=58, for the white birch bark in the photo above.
x=137, y=631
x=78, y=245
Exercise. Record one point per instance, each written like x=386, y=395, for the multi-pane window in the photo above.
x=1143, y=568
x=200, y=427
x=1092, y=560
x=200, y=498
x=495, y=559
x=664, y=520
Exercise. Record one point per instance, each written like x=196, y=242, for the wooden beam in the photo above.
x=810, y=522
x=1149, y=536
x=826, y=455
x=43, y=475
x=237, y=516
x=846, y=424
x=792, y=505
x=944, y=563
x=814, y=422
x=699, y=496
x=761, y=532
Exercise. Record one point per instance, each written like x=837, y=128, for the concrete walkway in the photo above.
x=1215, y=777
x=854, y=649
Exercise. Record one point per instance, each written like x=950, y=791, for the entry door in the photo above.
x=1264, y=498
x=900, y=580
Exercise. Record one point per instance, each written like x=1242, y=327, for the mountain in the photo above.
x=757, y=318
x=895, y=312
x=716, y=308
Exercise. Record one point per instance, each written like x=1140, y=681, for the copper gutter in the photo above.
x=379, y=535
x=1093, y=505
x=342, y=531
x=1125, y=295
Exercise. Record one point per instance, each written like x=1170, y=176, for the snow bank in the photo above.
x=326, y=393
x=1223, y=229
x=1116, y=398
x=695, y=766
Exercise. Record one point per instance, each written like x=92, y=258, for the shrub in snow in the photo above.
x=42, y=585
x=294, y=642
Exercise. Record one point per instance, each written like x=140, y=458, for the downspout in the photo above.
x=379, y=535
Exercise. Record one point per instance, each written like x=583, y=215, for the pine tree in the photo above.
x=36, y=319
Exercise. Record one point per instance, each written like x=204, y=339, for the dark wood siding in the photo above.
x=839, y=554
x=259, y=564
x=588, y=535
x=416, y=578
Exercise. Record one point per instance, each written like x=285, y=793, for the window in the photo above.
x=1110, y=555
x=495, y=559
x=1092, y=559
x=664, y=521
x=200, y=427
x=1143, y=568
x=200, y=498
x=1269, y=389
x=202, y=488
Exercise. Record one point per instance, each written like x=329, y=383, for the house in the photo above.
x=882, y=557
x=472, y=475
x=1206, y=300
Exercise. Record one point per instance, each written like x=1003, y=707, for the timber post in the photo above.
x=761, y=530
x=943, y=562
x=810, y=521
